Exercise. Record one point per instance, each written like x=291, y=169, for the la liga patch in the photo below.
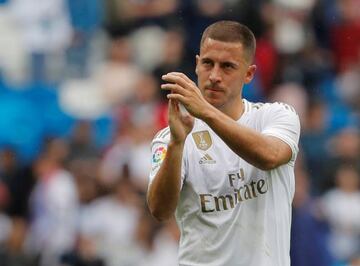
x=159, y=155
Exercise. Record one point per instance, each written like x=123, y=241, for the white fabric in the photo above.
x=164, y=252
x=345, y=235
x=112, y=226
x=54, y=207
x=83, y=99
x=5, y=228
x=45, y=24
x=134, y=155
x=230, y=212
x=13, y=58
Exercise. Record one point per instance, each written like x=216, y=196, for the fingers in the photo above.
x=178, y=78
x=188, y=120
x=173, y=107
x=174, y=88
x=179, y=83
x=181, y=75
x=176, y=97
x=183, y=90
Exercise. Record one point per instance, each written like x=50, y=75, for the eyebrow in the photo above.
x=230, y=64
x=235, y=64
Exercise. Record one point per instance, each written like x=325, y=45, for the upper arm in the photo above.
x=282, y=128
x=282, y=150
x=159, y=147
x=158, y=151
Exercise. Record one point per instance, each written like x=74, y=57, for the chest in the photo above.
x=212, y=167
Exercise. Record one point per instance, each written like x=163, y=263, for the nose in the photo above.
x=215, y=75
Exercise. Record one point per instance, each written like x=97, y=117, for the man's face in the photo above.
x=222, y=71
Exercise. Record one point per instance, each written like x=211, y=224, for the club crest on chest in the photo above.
x=202, y=140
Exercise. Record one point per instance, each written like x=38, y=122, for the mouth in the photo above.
x=213, y=89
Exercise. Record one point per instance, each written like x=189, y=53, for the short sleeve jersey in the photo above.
x=230, y=212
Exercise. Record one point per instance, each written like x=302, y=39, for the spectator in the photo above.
x=139, y=118
x=309, y=233
x=13, y=253
x=84, y=254
x=81, y=144
x=47, y=32
x=118, y=75
x=17, y=181
x=174, y=56
x=53, y=207
x=341, y=208
x=345, y=36
x=315, y=141
x=110, y=224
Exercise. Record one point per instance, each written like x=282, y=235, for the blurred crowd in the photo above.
x=80, y=103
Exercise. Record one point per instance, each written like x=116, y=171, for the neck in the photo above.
x=234, y=109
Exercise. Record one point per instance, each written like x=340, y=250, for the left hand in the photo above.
x=185, y=91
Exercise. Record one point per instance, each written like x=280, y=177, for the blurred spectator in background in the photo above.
x=53, y=206
x=348, y=86
x=118, y=74
x=139, y=118
x=174, y=57
x=47, y=33
x=12, y=251
x=308, y=226
x=345, y=35
x=17, y=182
x=159, y=244
x=315, y=143
x=345, y=148
x=86, y=173
x=86, y=18
x=124, y=14
x=84, y=254
x=341, y=207
x=82, y=142
x=110, y=224
x=14, y=59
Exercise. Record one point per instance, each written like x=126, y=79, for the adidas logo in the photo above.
x=207, y=159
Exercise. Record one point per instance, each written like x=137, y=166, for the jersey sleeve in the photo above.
x=158, y=153
x=281, y=121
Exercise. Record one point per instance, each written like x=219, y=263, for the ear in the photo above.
x=197, y=63
x=250, y=73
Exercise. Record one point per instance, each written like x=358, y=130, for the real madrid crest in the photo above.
x=202, y=140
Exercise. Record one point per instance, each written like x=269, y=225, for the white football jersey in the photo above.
x=230, y=212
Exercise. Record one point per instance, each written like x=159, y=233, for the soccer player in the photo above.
x=225, y=167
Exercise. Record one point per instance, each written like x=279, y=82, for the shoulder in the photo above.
x=272, y=112
x=274, y=115
x=283, y=113
x=270, y=107
x=282, y=107
x=163, y=136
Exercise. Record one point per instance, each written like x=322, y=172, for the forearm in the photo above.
x=163, y=193
x=252, y=146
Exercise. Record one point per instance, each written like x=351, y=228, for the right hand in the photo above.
x=180, y=124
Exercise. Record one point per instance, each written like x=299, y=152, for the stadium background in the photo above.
x=80, y=103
